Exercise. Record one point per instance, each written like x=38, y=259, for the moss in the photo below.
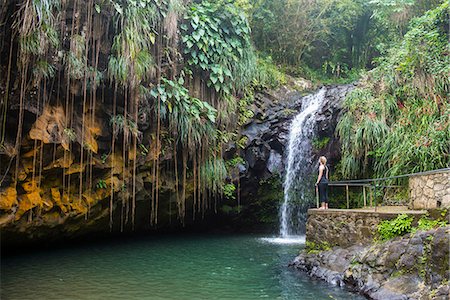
x=424, y=259
x=341, y=224
x=289, y=112
x=439, y=214
x=314, y=248
x=320, y=143
x=398, y=273
x=426, y=223
x=355, y=262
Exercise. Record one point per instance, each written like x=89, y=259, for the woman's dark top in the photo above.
x=323, y=186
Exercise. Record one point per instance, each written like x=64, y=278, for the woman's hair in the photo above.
x=323, y=160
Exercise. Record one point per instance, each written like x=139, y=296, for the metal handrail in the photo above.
x=361, y=184
x=372, y=183
x=393, y=177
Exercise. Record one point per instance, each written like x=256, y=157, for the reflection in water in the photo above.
x=175, y=267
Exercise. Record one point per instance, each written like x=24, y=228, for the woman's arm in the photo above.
x=320, y=174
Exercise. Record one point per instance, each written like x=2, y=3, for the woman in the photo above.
x=322, y=182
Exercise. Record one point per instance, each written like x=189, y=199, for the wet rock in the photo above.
x=411, y=267
x=275, y=163
x=267, y=132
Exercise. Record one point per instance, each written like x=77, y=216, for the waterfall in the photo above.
x=298, y=178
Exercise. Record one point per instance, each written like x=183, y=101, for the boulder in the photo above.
x=415, y=266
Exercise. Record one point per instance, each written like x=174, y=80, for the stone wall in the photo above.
x=430, y=191
x=345, y=228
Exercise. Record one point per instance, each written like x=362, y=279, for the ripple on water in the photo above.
x=290, y=240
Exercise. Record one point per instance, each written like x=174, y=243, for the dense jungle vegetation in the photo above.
x=123, y=94
x=398, y=119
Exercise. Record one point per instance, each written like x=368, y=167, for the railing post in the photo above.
x=371, y=196
x=364, y=195
x=375, y=196
x=346, y=189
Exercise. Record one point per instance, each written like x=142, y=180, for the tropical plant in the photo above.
x=330, y=38
x=397, y=120
x=391, y=228
x=216, y=41
x=101, y=184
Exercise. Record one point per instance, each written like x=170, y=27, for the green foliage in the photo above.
x=44, y=9
x=104, y=157
x=245, y=113
x=327, y=40
x=242, y=143
x=75, y=58
x=425, y=224
x=394, y=14
x=268, y=75
x=397, y=120
x=213, y=173
x=237, y=160
x=43, y=69
x=263, y=207
x=314, y=248
x=101, y=184
x=37, y=35
x=70, y=134
x=193, y=119
x=143, y=149
x=320, y=143
x=131, y=61
x=216, y=39
x=424, y=259
x=38, y=41
x=228, y=210
x=124, y=125
x=310, y=32
x=229, y=190
x=391, y=228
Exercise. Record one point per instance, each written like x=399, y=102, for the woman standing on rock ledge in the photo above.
x=322, y=183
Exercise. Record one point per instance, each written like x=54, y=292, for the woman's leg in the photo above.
x=322, y=195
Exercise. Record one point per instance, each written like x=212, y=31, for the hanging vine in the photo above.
x=168, y=74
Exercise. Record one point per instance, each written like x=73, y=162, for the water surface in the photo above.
x=172, y=267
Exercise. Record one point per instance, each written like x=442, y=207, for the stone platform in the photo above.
x=349, y=227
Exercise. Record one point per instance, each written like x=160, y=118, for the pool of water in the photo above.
x=170, y=267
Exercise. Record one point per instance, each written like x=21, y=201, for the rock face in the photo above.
x=264, y=151
x=267, y=134
x=61, y=212
x=409, y=267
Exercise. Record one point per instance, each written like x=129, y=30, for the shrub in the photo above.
x=425, y=223
x=391, y=228
x=313, y=248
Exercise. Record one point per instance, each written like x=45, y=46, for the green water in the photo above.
x=173, y=267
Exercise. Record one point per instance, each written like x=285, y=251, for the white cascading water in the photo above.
x=299, y=167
